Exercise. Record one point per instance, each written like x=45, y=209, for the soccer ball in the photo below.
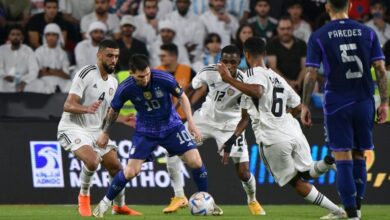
x=201, y=203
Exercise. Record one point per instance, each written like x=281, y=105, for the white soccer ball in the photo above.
x=201, y=203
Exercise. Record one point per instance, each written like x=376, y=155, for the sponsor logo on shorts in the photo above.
x=46, y=164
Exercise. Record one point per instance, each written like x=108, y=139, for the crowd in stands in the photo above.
x=45, y=42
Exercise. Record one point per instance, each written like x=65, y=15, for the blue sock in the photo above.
x=360, y=176
x=118, y=183
x=200, y=178
x=346, y=185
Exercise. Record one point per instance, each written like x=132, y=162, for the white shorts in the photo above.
x=72, y=140
x=284, y=160
x=239, y=152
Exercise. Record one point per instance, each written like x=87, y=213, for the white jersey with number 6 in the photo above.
x=89, y=85
x=272, y=124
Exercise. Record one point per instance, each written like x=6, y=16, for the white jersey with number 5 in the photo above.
x=272, y=123
x=89, y=85
x=222, y=106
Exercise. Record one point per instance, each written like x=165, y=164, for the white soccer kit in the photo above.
x=284, y=148
x=220, y=113
x=76, y=130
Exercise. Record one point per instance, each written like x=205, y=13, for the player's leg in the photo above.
x=312, y=195
x=80, y=144
x=111, y=162
x=363, y=125
x=140, y=151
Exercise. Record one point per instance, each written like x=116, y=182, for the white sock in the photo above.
x=318, y=168
x=174, y=169
x=85, y=180
x=319, y=199
x=119, y=200
x=106, y=200
x=250, y=189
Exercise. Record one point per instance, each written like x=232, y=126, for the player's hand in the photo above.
x=223, y=71
x=129, y=120
x=93, y=107
x=195, y=132
x=9, y=78
x=102, y=140
x=225, y=156
x=20, y=87
x=306, y=116
x=382, y=112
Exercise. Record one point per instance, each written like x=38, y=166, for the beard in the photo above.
x=182, y=12
x=16, y=43
x=108, y=69
x=151, y=17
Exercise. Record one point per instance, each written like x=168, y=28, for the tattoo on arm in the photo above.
x=109, y=120
x=381, y=78
x=308, y=85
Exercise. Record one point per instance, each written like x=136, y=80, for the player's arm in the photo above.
x=185, y=103
x=72, y=105
x=198, y=94
x=308, y=88
x=108, y=122
x=252, y=90
x=381, y=79
x=241, y=126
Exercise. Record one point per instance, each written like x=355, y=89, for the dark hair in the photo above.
x=285, y=17
x=338, y=5
x=211, y=37
x=291, y=3
x=254, y=46
x=106, y=43
x=149, y=1
x=231, y=49
x=238, y=42
x=15, y=27
x=171, y=48
x=50, y=1
x=138, y=62
x=257, y=1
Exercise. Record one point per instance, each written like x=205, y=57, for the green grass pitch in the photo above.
x=274, y=212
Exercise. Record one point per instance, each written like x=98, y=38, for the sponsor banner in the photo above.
x=35, y=170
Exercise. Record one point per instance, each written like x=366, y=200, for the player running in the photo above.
x=347, y=49
x=157, y=124
x=217, y=118
x=284, y=148
x=91, y=92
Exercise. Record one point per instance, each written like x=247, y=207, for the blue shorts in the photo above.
x=176, y=142
x=350, y=128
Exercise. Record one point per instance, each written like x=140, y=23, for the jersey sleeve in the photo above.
x=244, y=102
x=78, y=85
x=255, y=76
x=199, y=80
x=313, y=55
x=293, y=99
x=376, y=50
x=173, y=86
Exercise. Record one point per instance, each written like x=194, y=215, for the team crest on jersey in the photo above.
x=230, y=92
x=159, y=93
x=148, y=95
x=77, y=141
x=111, y=91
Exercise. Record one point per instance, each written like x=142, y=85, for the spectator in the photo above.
x=127, y=7
x=192, y=32
x=287, y=54
x=217, y=20
x=85, y=50
x=38, y=22
x=127, y=44
x=16, y=12
x=263, y=24
x=53, y=63
x=198, y=7
x=183, y=73
x=302, y=29
x=164, y=7
x=314, y=8
x=239, y=9
x=212, y=52
x=167, y=36
x=37, y=6
x=18, y=66
x=147, y=23
x=377, y=23
x=244, y=32
x=101, y=14
x=74, y=10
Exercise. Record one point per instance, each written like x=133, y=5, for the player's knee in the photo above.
x=358, y=155
x=113, y=171
x=92, y=164
x=196, y=163
x=131, y=172
x=244, y=174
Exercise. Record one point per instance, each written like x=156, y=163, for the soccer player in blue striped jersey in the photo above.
x=157, y=124
x=347, y=49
